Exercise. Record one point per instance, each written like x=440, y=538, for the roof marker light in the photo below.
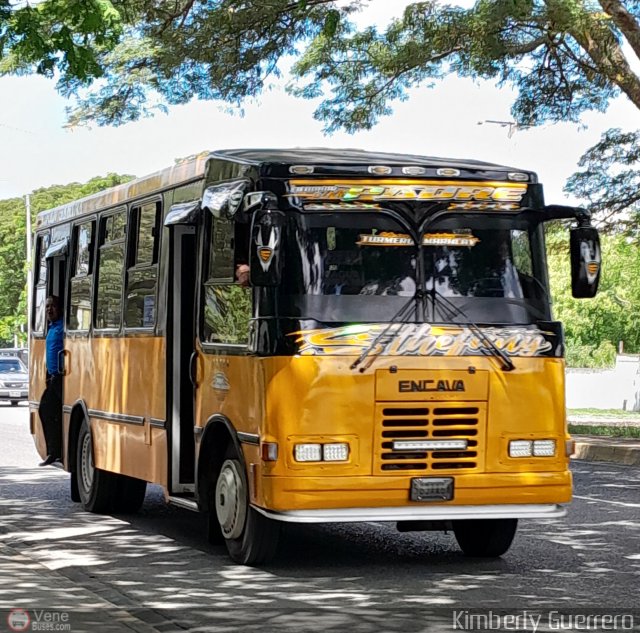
x=379, y=170
x=414, y=171
x=301, y=169
x=518, y=176
x=448, y=171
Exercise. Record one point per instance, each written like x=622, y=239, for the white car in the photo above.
x=14, y=380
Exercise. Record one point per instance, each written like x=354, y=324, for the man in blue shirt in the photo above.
x=50, y=409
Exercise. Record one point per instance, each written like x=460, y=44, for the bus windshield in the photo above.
x=363, y=267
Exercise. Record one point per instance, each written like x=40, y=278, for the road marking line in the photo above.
x=615, y=503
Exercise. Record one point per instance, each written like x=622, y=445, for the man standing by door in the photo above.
x=50, y=409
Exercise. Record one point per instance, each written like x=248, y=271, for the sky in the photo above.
x=37, y=151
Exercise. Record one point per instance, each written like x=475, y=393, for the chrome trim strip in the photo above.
x=421, y=513
x=188, y=504
x=157, y=423
x=248, y=438
x=116, y=417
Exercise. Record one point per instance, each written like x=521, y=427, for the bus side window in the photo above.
x=82, y=277
x=40, y=285
x=225, y=303
x=142, y=270
x=110, y=269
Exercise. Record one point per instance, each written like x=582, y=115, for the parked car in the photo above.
x=21, y=352
x=14, y=380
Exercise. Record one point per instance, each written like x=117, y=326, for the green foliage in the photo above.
x=593, y=327
x=67, y=36
x=609, y=181
x=562, y=56
x=13, y=262
x=602, y=355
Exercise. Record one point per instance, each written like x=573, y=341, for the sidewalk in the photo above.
x=32, y=591
x=599, y=448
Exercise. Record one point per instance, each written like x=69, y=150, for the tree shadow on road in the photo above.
x=157, y=564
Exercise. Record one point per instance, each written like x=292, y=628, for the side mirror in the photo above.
x=266, y=243
x=585, y=261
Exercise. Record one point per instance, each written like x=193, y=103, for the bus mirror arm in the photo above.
x=561, y=212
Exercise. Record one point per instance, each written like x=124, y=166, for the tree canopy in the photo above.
x=609, y=182
x=13, y=247
x=562, y=56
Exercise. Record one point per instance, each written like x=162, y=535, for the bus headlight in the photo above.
x=544, y=448
x=520, y=448
x=335, y=452
x=532, y=448
x=307, y=452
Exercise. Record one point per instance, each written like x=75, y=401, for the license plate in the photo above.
x=432, y=489
x=14, y=394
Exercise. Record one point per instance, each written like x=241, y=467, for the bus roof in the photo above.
x=272, y=163
x=330, y=156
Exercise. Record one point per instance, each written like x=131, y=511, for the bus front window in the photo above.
x=358, y=267
x=363, y=267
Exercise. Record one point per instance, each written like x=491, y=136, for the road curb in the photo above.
x=614, y=450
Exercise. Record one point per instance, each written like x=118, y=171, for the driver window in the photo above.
x=226, y=302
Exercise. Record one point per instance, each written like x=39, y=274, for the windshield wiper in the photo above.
x=454, y=310
x=398, y=317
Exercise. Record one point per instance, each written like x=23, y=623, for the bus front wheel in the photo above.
x=129, y=494
x=251, y=538
x=95, y=487
x=486, y=538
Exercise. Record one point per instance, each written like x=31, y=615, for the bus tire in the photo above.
x=129, y=494
x=73, y=486
x=251, y=538
x=485, y=538
x=95, y=487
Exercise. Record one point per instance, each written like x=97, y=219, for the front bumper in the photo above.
x=14, y=394
x=422, y=513
x=374, y=495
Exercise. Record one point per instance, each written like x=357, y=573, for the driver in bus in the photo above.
x=50, y=410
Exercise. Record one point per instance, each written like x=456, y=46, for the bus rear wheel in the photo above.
x=485, y=538
x=251, y=538
x=95, y=487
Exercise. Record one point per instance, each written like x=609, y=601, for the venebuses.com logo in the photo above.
x=37, y=620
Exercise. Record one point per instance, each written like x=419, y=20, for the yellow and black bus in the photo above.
x=393, y=358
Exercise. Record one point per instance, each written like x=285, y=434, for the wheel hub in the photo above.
x=231, y=500
x=86, y=466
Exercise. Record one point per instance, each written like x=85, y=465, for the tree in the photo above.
x=594, y=328
x=67, y=36
x=13, y=247
x=610, y=182
x=563, y=56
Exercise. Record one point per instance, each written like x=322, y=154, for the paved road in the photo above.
x=156, y=570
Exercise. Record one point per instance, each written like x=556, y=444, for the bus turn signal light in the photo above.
x=269, y=451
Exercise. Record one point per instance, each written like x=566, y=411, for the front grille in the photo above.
x=433, y=421
x=15, y=385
